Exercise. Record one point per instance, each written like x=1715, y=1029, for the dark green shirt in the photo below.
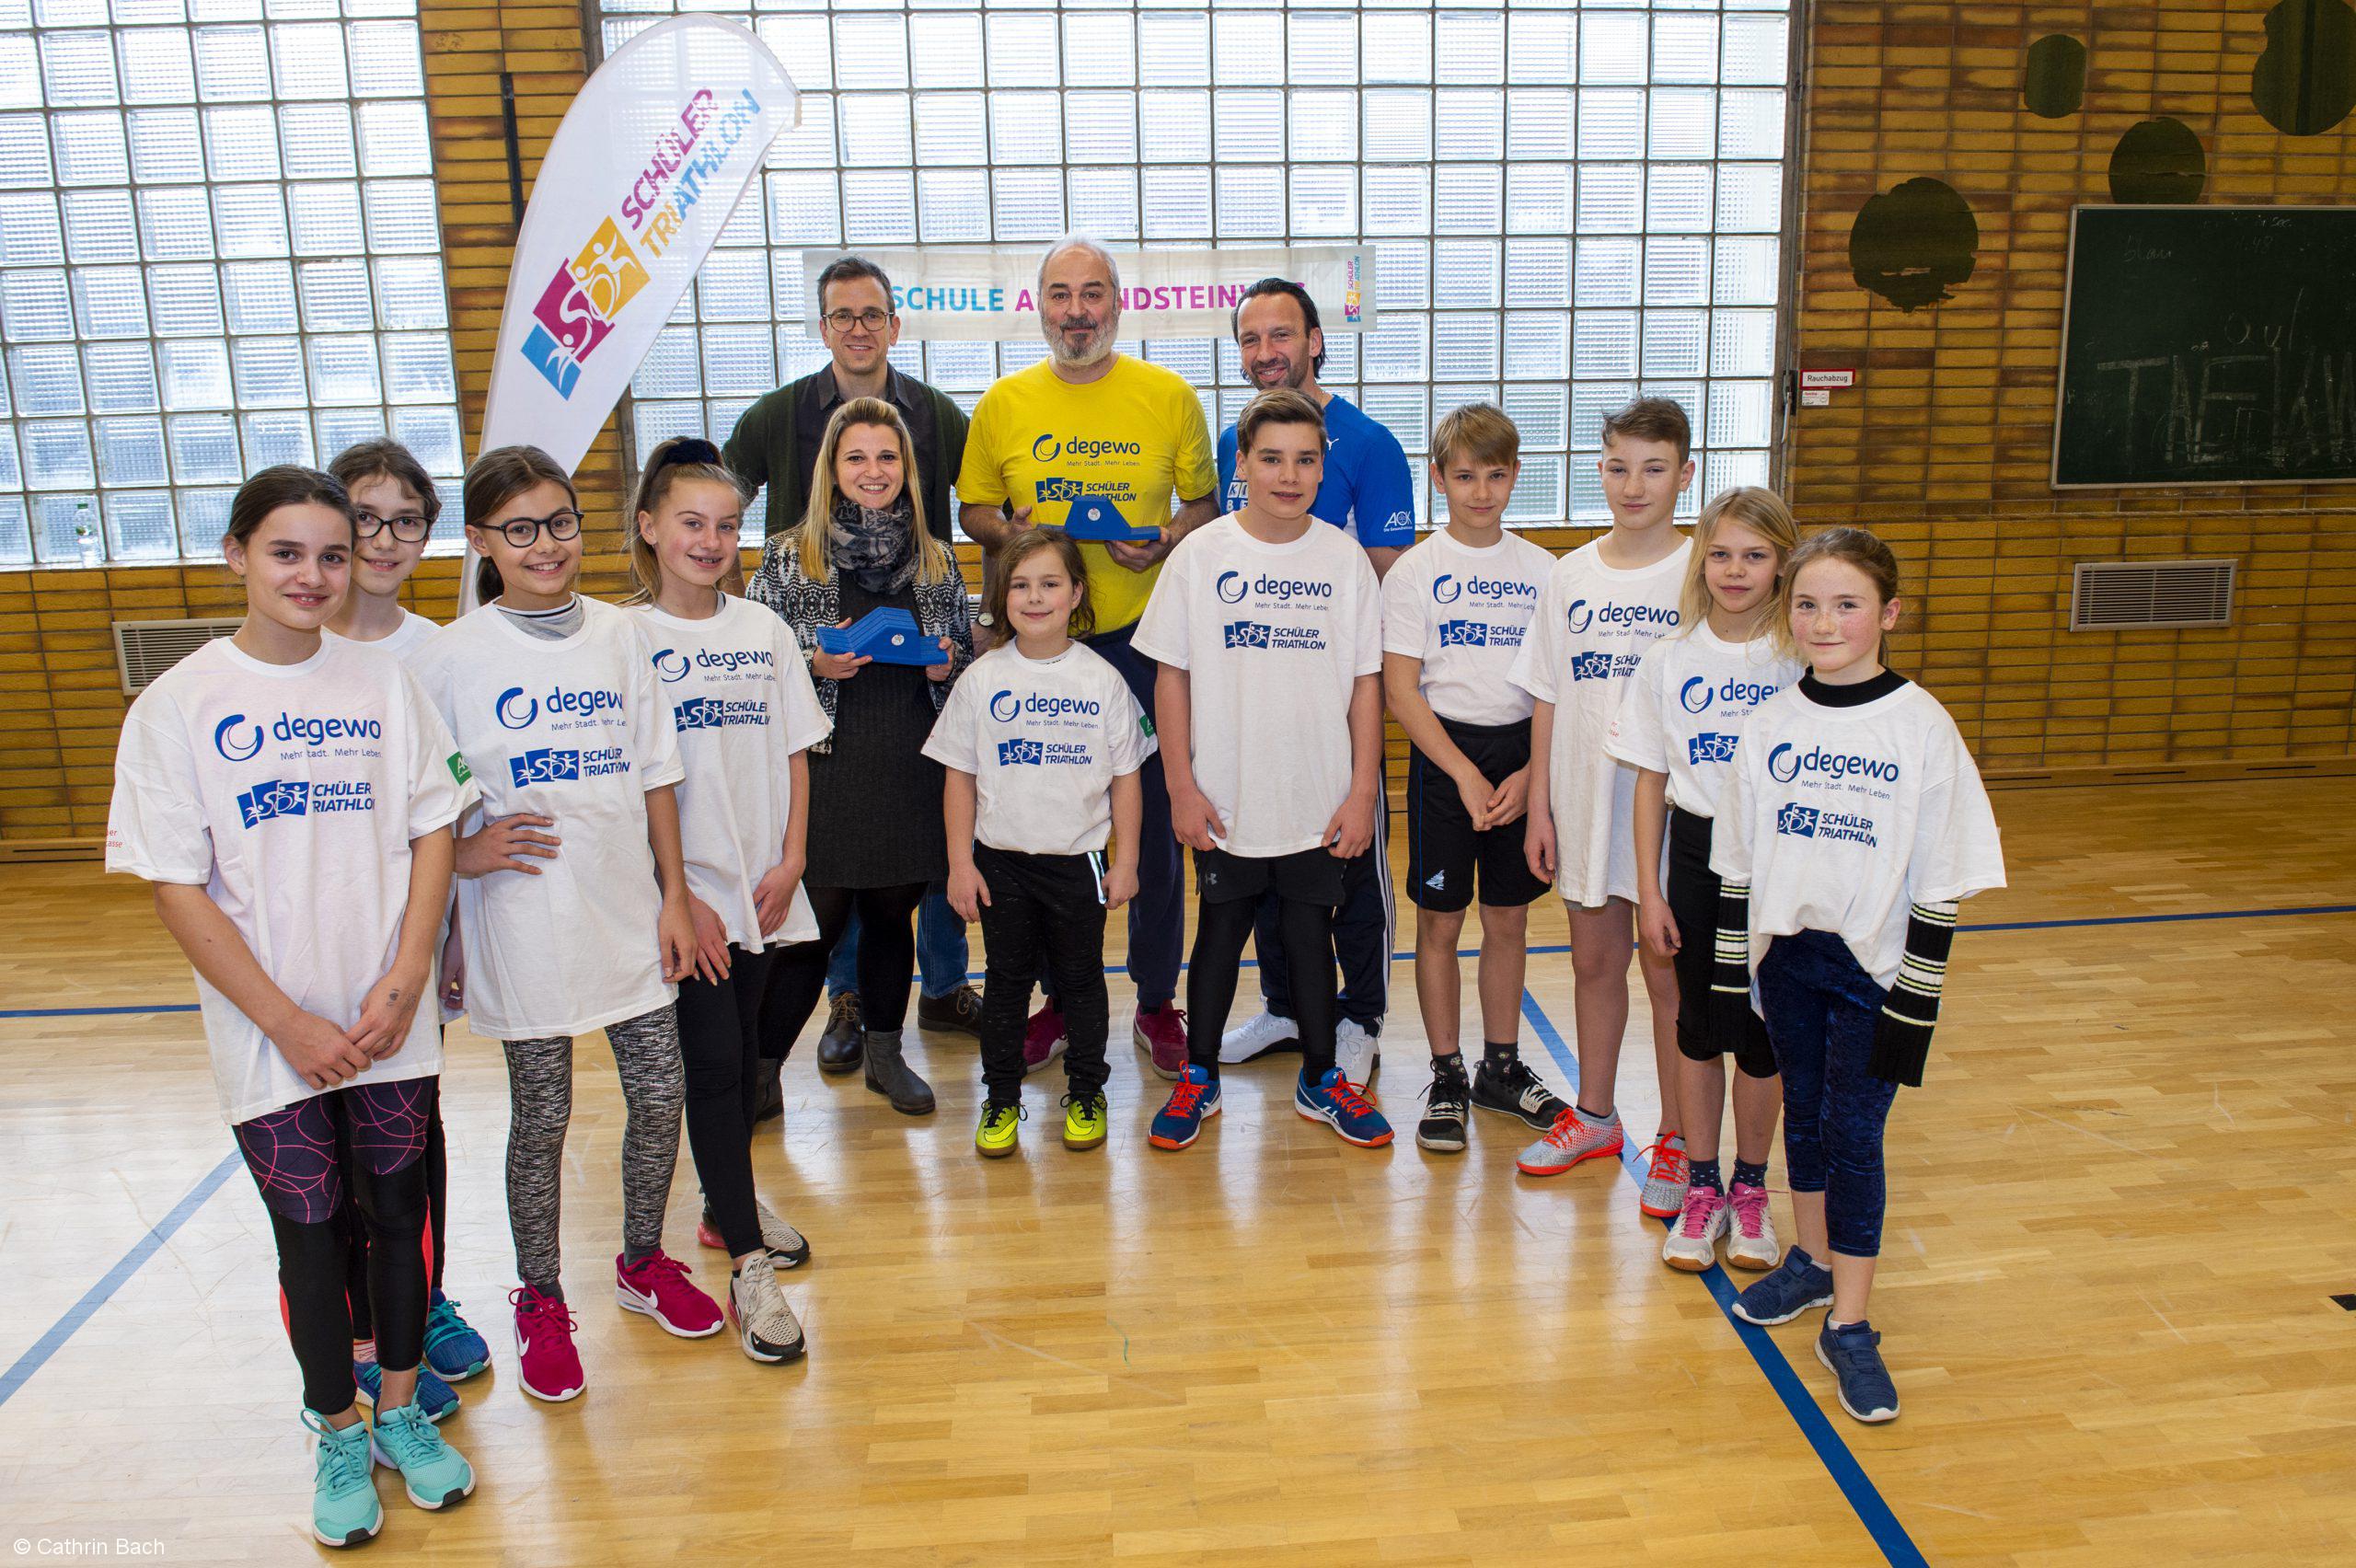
x=775, y=446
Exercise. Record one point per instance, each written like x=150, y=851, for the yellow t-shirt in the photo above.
x=1131, y=438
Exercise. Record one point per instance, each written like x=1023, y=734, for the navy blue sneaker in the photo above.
x=1853, y=1351
x=454, y=1351
x=435, y=1397
x=1339, y=1103
x=1795, y=1286
x=1193, y=1103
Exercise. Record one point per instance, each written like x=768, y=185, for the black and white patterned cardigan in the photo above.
x=805, y=605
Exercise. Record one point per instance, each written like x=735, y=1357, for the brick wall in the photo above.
x=1945, y=446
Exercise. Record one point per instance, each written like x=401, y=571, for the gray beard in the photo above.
x=1098, y=349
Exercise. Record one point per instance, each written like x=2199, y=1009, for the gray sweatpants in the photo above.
x=539, y=1090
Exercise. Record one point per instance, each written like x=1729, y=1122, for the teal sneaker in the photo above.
x=435, y=1397
x=344, y=1510
x=452, y=1347
x=435, y=1474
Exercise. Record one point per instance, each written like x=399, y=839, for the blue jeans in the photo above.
x=941, y=948
x=1822, y=1009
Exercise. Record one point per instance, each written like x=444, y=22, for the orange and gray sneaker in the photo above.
x=1573, y=1137
x=1668, y=1179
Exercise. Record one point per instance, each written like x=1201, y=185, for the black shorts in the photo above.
x=1305, y=876
x=1444, y=851
x=1692, y=892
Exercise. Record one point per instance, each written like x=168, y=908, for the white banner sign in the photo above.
x=644, y=170
x=992, y=294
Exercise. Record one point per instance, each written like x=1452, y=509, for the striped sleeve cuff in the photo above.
x=1902, y=1037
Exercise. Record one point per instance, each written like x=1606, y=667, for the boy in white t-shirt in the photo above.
x=1267, y=626
x=1605, y=603
x=1455, y=610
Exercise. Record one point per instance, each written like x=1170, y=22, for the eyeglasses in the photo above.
x=844, y=320
x=524, y=532
x=409, y=528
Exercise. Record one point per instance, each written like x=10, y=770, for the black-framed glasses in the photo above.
x=844, y=320
x=408, y=527
x=524, y=532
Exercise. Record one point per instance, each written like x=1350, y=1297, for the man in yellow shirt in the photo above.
x=1090, y=427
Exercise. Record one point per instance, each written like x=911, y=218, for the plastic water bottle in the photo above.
x=86, y=536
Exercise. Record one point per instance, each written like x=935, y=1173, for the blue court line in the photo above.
x=97, y=1295
x=98, y=1012
x=1864, y=1497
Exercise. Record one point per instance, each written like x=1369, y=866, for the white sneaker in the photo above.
x=1256, y=1036
x=765, y=1328
x=1356, y=1051
x=1751, y=1237
x=1692, y=1243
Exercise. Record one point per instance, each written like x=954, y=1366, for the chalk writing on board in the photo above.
x=2252, y=391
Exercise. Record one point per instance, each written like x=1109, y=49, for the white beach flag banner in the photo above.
x=649, y=160
x=990, y=294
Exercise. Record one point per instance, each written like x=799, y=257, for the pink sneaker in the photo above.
x=1161, y=1032
x=1750, y=1239
x=658, y=1287
x=552, y=1367
x=1042, y=1038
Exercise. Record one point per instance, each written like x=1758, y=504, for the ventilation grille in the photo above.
x=143, y=649
x=2111, y=595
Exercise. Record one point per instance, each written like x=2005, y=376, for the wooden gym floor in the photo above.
x=2118, y=1214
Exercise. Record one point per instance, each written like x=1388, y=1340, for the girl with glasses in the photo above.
x=572, y=893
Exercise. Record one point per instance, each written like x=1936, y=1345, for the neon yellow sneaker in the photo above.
x=1086, y=1119
x=1000, y=1131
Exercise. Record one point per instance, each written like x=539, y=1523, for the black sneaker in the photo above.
x=1442, y=1128
x=960, y=1010
x=1515, y=1090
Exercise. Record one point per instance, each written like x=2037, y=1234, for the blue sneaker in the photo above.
x=1339, y=1103
x=1853, y=1351
x=453, y=1350
x=1795, y=1286
x=435, y=1397
x=435, y=1474
x=1193, y=1103
x=344, y=1510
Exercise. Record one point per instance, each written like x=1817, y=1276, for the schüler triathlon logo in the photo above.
x=509, y=715
x=1046, y=449
x=671, y=664
x=232, y=750
x=1005, y=706
x=1797, y=821
x=1021, y=754
x=1694, y=695
x=1464, y=634
x=1710, y=747
x=1444, y=588
x=277, y=797
x=543, y=766
x=1231, y=587
x=1247, y=634
x=1591, y=666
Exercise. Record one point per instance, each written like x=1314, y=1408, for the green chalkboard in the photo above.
x=2208, y=346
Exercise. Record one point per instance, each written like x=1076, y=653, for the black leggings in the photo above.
x=887, y=962
x=437, y=1225
x=720, y=1043
x=1306, y=931
x=311, y=1272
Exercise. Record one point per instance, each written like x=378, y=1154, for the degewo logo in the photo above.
x=671, y=664
x=1231, y=587
x=1046, y=449
x=1694, y=695
x=1786, y=763
x=229, y=750
x=1005, y=706
x=1444, y=588
x=505, y=711
x=1580, y=614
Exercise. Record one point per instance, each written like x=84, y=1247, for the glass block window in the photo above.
x=1571, y=202
x=218, y=250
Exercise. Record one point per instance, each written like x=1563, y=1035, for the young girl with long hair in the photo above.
x=875, y=816
x=291, y=796
x=746, y=716
x=572, y=894
x=1679, y=723
x=1041, y=742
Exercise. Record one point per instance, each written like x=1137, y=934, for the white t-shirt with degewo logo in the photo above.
x=1841, y=819
x=577, y=728
x=741, y=701
x=290, y=793
x=1594, y=621
x=1464, y=611
x=1044, y=739
x=1683, y=713
x=1272, y=638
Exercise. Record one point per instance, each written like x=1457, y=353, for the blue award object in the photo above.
x=888, y=635
x=1093, y=517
